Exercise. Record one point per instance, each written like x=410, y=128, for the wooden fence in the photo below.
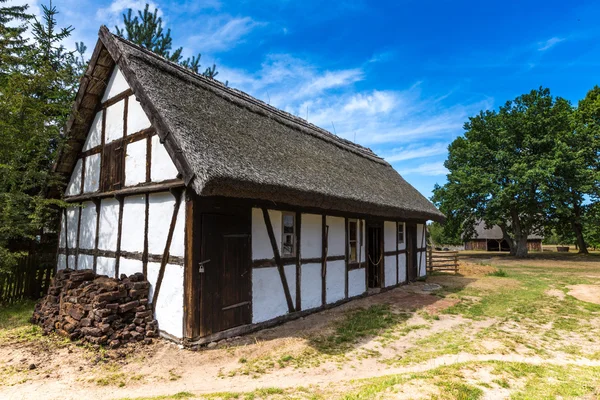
x=442, y=261
x=28, y=280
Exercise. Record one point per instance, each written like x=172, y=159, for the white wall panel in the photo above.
x=390, y=270
x=135, y=163
x=422, y=260
x=261, y=246
x=136, y=117
x=310, y=239
x=129, y=267
x=153, y=269
x=71, y=261
x=356, y=282
x=116, y=84
x=85, y=262
x=113, y=128
x=389, y=235
x=109, y=223
x=160, y=213
x=72, y=221
x=178, y=241
x=94, y=137
x=61, y=262
x=268, y=298
x=335, y=281
x=336, y=239
x=74, y=186
x=310, y=286
x=362, y=244
x=91, y=180
x=106, y=266
x=421, y=242
x=134, y=217
x=87, y=232
x=401, y=267
x=169, y=307
x=290, y=276
x=62, y=237
x=161, y=165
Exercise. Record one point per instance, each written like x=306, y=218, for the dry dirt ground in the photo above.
x=502, y=328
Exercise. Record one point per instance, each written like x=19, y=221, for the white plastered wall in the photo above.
x=116, y=84
x=74, y=186
x=356, y=282
x=132, y=230
x=109, y=224
x=268, y=297
x=336, y=239
x=311, y=243
x=389, y=243
x=136, y=117
x=169, y=308
x=335, y=281
x=135, y=163
x=72, y=222
x=106, y=266
x=94, y=137
x=261, y=244
x=421, y=255
x=87, y=232
x=161, y=165
x=402, y=267
x=310, y=286
x=91, y=179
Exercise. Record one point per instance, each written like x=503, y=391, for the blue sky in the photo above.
x=399, y=77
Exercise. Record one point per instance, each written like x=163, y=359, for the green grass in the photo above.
x=498, y=273
x=15, y=322
x=357, y=325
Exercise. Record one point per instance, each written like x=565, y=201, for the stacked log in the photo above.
x=96, y=309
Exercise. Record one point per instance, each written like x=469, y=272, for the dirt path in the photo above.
x=199, y=383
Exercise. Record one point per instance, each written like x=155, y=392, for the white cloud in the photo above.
x=415, y=152
x=548, y=44
x=427, y=169
x=223, y=35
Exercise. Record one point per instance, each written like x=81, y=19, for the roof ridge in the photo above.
x=322, y=133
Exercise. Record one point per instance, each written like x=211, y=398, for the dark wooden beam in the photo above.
x=132, y=255
x=131, y=190
x=161, y=273
x=191, y=298
x=324, y=248
x=298, y=226
x=286, y=288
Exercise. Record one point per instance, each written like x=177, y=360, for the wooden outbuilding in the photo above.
x=491, y=239
x=239, y=214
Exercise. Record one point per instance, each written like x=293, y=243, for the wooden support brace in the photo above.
x=286, y=288
x=161, y=273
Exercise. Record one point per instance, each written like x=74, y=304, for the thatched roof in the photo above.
x=227, y=143
x=495, y=232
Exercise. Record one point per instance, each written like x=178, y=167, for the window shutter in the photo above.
x=112, y=167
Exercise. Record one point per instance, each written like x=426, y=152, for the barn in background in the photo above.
x=492, y=240
x=239, y=214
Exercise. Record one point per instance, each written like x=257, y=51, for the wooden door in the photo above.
x=224, y=273
x=411, y=252
x=374, y=255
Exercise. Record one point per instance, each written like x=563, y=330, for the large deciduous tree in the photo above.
x=500, y=168
x=38, y=79
x=146, y=30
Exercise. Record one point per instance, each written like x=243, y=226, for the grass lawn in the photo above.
x=502, y=328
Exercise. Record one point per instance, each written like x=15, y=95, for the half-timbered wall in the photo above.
x=421, y=250
x=318, y=273
x=125, y=234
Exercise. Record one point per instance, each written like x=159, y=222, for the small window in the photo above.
x=353, y=240
x=288, y=242
x=400, y=232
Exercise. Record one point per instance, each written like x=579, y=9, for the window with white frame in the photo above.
x=288, y=231
x=400, y=232
x=353, y=240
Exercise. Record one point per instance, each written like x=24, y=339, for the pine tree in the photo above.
x=38, y=89
x=146, y=30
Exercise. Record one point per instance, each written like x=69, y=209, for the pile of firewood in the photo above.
x=97, y=309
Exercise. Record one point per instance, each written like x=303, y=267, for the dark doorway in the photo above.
x=411, y=252
x=224, y=273
x=497, y=245
x=374, y=255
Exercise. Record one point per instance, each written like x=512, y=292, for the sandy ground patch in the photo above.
x=588, y=293
x=559, y=294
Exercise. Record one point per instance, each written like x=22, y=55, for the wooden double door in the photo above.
x=225, y=272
